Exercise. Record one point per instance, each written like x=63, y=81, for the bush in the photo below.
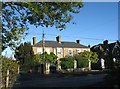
x=67, y=62
x=82, y=62
x=12, y=66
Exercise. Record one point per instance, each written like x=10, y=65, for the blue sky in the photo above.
x=97, y=21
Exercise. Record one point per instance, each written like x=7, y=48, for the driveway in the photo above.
x=36, y=80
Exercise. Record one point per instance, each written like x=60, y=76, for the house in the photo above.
x=108, y=52
x=59, y=47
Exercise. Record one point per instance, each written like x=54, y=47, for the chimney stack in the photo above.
x=105, y=42
x=58, y=39
x=34, y=40
x=78, y=41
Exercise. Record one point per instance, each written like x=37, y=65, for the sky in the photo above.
x=96, y=22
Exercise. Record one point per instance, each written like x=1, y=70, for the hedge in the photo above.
x=82, y=62
x=67, y=62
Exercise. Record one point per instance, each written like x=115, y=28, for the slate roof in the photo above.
x=62, y=44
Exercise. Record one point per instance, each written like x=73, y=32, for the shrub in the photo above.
x=82, y=62
x=67, y=62
x=12, y=66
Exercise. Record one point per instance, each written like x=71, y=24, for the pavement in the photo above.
x=58, y=80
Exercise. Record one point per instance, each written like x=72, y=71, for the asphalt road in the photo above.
x=57, y=81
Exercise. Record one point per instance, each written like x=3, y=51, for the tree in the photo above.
x=36, y=60
x=53, y=57
x=24, y=53
x=16, y=16
x=91, y=56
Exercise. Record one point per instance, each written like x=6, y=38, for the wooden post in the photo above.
x=7, y=79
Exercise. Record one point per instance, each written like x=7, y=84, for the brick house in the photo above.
x=58, y=47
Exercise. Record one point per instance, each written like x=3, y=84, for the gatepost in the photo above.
x=47, y=67
x=75, y=64
x=102, y=63
x=58, y=65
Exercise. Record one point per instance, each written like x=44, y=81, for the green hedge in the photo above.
x=82, y=62
x=67, y=63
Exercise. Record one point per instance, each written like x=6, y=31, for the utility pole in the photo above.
x=43, y=44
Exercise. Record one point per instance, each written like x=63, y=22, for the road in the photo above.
x=57, y=81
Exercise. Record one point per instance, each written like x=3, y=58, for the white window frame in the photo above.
x=59, y=51
x=78, y=51
x=70, y=53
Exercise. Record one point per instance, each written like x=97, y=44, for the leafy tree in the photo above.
x=53, y=57
x=91, y=56
x=36, y=60
x=81, y=61
x=24, y=53
x=16, y=16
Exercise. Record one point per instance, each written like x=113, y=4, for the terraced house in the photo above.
x=58, y=47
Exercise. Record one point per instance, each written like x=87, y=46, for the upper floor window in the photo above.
x=39, y=50
x=77, y=51
x=59, y=50
x=70, y=52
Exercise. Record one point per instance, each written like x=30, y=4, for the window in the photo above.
x=39, y=50
x=55, y=51
x=70, y=52
x=59, y=50
x=77, y=51
x=84, y=50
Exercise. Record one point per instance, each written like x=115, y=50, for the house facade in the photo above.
x=58, y=47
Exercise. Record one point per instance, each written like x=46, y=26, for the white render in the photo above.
x=39, y=50
x=102, y=63
x=47, y=50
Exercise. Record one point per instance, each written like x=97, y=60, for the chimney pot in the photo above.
x=105, y=42
x=34, y=40
x=78, y=41
x=58, y=39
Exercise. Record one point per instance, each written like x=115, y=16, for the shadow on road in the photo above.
x=72, y=80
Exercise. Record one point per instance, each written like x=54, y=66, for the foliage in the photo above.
x=16, y=16
x=12, y=66
x=82, y=62
x=67, y=62
x=50, y=57
x=24, y=54
x=36, y=60
x=53, y=57
x=92, y=56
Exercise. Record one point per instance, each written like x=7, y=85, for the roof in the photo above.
x=62, y=44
